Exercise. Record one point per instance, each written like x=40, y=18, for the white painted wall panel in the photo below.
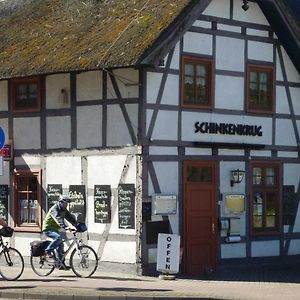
x=231, y=152
x=285, y=134
x=58, y=132
x=236, y=250
x=175, y=63
x=260, y=51
x=190, y=118
x=203, y=24
x=291, y=174
x=287, y=154
x=153, y=150
x=295, y=94
x=3, y=95
x=27, y=134
x=292, y=73
x=252, y=15
x=279, y=74
x=282, y=105
x=133, y=114
x=54, y=85
x=117, y=133
x=230, y=54
x=255, y=32
x=229, y=28
x=63, y=170
x=218, y=8
x=197, y=43
x=229, y=92
x=153, y=84
x=265, y=248
x=198, y=151
x=294, y=247
x=89, y=126
x=29, y=160
x=260, y=153
x=89, y=86
x=121, y=252
x=166, y=126
x=171, y=91
x=128, y=82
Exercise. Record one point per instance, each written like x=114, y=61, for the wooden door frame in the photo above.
x=214, y=165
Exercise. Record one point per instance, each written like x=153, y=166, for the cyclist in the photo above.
x=53, y=222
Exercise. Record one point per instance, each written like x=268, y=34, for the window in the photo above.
x=265, y=199
x=196, y=82
x=27, y=192
x=26, y=94
x=260, y=90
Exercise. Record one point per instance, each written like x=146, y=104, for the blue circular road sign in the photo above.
x=2, y=138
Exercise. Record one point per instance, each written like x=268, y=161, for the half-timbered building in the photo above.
x=172, y=116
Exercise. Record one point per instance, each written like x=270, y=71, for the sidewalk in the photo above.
x=256, y=283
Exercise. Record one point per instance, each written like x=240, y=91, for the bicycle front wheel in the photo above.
x=84, y=261
x=11, y=264
x=41, y=265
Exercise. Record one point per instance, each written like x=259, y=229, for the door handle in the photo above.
x=213, y=228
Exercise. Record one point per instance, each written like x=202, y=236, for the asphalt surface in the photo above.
x=238, y=283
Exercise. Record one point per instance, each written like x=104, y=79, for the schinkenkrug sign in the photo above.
x=228, y=128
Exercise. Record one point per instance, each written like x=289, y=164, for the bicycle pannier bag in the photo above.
x=6, y=231
x=38, y=247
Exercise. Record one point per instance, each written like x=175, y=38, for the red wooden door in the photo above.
x=200, y=217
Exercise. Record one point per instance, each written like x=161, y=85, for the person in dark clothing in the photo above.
x=54, y=221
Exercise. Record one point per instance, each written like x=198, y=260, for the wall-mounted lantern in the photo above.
x=236, y=176
x=245, y=5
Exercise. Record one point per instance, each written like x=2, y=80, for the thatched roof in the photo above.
x=42, y=36
x=52, y=36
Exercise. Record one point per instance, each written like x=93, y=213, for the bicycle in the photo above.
x=11, y=260
x=83, y=259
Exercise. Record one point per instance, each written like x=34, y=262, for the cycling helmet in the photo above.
x=65, y=198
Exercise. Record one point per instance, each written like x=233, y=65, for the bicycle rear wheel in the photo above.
x=84, y=261
x=41, y=265
x=11, y=264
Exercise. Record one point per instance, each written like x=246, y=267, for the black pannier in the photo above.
x=6, y=231
x=38, y=247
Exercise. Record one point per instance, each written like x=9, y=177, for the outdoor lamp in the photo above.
x=236, y=176
x=245, y=5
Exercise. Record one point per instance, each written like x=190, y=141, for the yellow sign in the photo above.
x=235, y=204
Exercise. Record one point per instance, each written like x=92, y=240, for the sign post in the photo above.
x=168, y=250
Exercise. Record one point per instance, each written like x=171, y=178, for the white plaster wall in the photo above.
x=260, y=153
x=188, y=128
x=291, y=174
x=229, y=92
x=117, y=133
x=133, y=114
x=198, y=151
x=236, y=250
x=153, y=84
x=154, y=150
x=5, y=178
x=252, y=15
x=218, y=8
x=171, y=90
x=230, y=54
x=3, y=95
x=265, y=248
x=89, y=86
x=229, y=28
x=260, y=51
x=287, y=154
x=256, y=32
x=291, y=71
x=54, y=85
x=65, y=170
x=176, y=58
x=295, y=94
x=285, y=134
x=166, y=126
x=28, y=160
x=203, y=24
x=121, y=252
x=149, y=114
x=27, y=134
x=89, y=126
x=294, y=247
x=282, y=105
x=231, y=152
x=198, y=43
x=58, y=132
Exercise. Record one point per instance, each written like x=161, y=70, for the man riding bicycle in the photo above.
x=53, y=222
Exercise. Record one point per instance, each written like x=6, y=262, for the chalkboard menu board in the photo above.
x=102, y=196
x=289, y=205
x=4, y=201
x=126, y=201
x=78, y=205
x=53, y=192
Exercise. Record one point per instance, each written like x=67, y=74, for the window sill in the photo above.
x=28, y=228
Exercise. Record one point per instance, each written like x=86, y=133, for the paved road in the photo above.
x=254, y=283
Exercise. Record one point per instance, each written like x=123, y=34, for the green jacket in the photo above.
x=54, y=219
